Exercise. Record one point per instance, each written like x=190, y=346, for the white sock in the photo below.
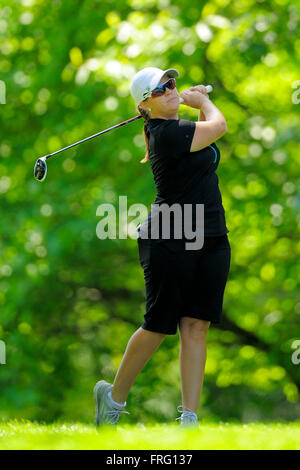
x=113, y=401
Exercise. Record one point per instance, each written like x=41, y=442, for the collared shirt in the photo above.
x=185, y=177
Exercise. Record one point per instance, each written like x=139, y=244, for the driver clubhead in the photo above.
x=40, y=170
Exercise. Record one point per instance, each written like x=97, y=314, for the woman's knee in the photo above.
x=193, y=327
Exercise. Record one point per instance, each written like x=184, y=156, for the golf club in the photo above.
x=40, y=167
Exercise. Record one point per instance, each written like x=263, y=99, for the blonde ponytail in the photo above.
x=146, y=133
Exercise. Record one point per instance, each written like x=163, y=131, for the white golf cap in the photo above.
x=146, y=80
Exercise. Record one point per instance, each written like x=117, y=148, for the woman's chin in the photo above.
x=174, y=104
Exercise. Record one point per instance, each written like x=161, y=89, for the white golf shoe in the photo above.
x=107, y=410
x=188, y=417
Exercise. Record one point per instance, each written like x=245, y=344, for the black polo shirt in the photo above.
x=185, y=177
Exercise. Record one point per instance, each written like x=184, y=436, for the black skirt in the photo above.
x=183, y=282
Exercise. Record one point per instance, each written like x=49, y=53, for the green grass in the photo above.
x=31, y=435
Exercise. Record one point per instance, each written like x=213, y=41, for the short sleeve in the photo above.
x=176, y=136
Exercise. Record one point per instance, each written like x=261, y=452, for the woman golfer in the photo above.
x=184, y=287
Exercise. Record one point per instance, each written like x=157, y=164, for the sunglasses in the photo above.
x=160, y=89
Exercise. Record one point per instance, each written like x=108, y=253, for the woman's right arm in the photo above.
x=215, y=126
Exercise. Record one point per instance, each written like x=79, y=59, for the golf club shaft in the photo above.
x=94, y=135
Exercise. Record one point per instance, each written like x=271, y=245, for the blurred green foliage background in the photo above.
x=69, y=301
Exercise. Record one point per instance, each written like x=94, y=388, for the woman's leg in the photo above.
x=192, y=359
x=140, y=347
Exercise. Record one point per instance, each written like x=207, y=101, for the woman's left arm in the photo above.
x=201, y=115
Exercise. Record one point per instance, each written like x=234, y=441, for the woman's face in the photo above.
x=164, y=105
